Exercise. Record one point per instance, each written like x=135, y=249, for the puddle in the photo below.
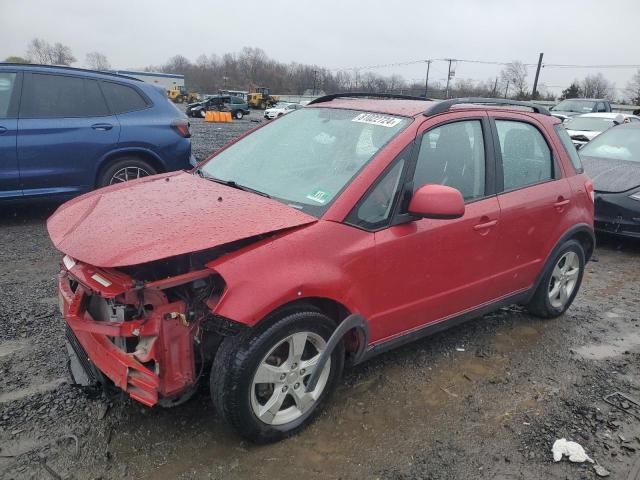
x=12, y=346
x=613, y=348
x=31, y=390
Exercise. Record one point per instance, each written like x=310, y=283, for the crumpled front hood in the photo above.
x=163, y=216
x=611, y=175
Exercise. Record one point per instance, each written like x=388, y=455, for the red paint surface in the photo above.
x=161, y=217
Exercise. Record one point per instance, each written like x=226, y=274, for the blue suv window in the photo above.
x=59, y=96
x=122, y=99
x=7, y=85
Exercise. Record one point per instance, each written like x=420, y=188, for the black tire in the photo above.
x=238, y=114
x=237, y=360
x=202, y=113
x=106, y=177
x=263, y=105
x=540, y=305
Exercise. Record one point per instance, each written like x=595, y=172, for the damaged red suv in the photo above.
x=337, y=232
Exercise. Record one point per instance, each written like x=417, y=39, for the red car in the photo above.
x=344, y=229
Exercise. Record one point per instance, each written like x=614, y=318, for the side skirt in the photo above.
x=440, y=325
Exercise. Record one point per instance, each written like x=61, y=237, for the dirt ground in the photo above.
x=484, y=400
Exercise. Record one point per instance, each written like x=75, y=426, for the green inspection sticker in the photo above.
x=319, y=196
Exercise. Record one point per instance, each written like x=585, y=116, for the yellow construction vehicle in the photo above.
x=179, y=94
x=261, y=98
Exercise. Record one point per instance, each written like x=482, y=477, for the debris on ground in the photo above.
x=573, y=450
x=601, y=471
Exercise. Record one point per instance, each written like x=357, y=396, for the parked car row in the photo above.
x=66, y=131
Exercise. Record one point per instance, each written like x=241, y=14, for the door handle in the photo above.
x=482, y=226
x=3, y=130
x=561, y=203
x=102, y=126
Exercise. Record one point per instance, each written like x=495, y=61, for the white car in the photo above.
x=583, y=128
x=280, y=109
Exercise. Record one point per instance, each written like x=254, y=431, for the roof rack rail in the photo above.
x=333, y=96
x=66, y=67
x=445, y=105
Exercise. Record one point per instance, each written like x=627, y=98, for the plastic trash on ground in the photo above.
x=573, y=450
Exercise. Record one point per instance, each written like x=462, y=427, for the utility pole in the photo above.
x=494, y=92
x=506, y=90
x=426, y=81
x=314, y=82
x=448, y=77
x=534, y=94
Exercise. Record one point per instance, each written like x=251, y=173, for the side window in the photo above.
x=453, y=155
x=526, y=158
x=7, y=85
x=122, y=98
x=569, y=148
x=374, y=211
x=60, y=96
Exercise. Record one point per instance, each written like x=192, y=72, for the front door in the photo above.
x=429, y=270
x=64, y=129
x=9, y=98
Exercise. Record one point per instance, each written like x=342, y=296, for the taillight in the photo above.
x=182, y=127
x=589, y=186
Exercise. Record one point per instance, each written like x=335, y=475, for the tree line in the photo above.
x=252, y=67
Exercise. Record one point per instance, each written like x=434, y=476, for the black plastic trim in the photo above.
x=445, y=105
x=354, y=321
x=440, y=325
x=333, y=96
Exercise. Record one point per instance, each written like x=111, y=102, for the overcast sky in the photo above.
x=339, y=34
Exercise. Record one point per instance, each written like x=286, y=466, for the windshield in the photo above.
x=615, y=144
x=575, y=105
x=307, y=157
x=591, y=124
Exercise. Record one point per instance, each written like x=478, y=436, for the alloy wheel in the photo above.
x=128, y=173
x=278, y=391
x=564, y=278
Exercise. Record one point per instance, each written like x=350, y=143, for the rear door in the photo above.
x=534, y=198
x=64, y=128
x=10, y=83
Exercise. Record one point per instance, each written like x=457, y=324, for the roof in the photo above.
x=64, y=68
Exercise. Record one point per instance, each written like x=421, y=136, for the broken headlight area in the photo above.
x=146, y=335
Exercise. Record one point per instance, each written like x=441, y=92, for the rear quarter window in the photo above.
x=123, y=98
x=569, y=148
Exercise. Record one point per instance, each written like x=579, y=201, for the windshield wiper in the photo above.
x=231, y=183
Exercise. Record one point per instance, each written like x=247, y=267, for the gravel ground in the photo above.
x=483, y=400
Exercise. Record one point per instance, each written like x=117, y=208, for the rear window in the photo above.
x=7, y=85
x=569, y=148
x=122, y=98
x=61, y=96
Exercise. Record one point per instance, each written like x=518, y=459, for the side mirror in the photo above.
x=437, y=201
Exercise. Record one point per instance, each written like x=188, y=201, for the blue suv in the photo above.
x=65, y=131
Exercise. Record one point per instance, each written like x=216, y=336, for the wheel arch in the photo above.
x=141, y=153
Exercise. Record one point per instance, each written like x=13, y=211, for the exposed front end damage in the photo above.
x=146, y=337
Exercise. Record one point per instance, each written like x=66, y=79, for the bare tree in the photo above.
x=39, y=51
x=633, y=89
x=515, y=73
x=61, y=54
x=596, y=86
x=98, y=61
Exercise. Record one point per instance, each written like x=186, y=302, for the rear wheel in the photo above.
x=125, y=169
x=560, y=282
x=239, y=115
x=258, y=381
x=202, y=113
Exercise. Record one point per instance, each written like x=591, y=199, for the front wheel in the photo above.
x=202, y=113
x=239, y=115
x=560, y=282
x=258, y=381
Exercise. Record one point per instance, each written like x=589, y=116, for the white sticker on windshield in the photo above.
x=377, y=119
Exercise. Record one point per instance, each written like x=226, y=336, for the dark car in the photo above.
x=575, y=106
x=612, y=160
x=341, y=230
x=221, y=103
x=65, y=131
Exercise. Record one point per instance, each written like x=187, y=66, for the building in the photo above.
x=165, y=80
